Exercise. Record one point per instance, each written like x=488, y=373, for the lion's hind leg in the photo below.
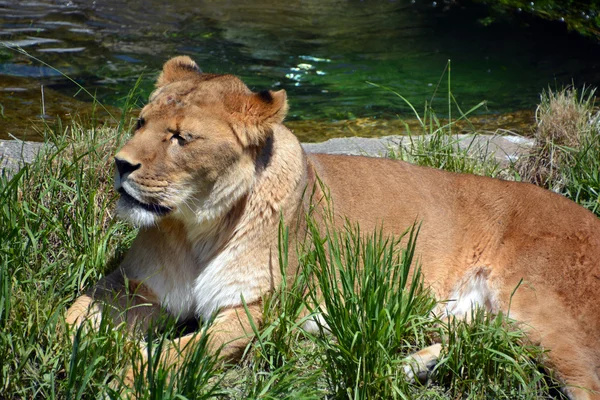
x=475, y=290
x=575, y=368
x=572, y=350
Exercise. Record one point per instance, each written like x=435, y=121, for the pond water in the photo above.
x=323, y=52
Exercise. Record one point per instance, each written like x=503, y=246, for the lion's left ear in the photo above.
x=177, y=69
x=259, y=112
x=268, y=106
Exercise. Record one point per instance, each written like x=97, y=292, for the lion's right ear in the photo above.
x=177, y=69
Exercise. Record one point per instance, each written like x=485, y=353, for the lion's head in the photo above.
x=195, y=145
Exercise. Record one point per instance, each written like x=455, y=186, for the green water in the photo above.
x=322, y=52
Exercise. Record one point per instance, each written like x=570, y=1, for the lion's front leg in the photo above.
x=232, y=330
x=84, y=309
x=125, y=301
x=229, y=335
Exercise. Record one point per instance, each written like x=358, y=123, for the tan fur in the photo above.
x=215, y=168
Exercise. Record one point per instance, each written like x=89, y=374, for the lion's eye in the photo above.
x=177, y=137
x=140, y=123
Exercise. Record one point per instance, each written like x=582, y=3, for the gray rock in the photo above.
x=13, y=153
x=374, y=147
x=506, y=149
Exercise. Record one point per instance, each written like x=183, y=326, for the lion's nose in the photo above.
x=125, y=167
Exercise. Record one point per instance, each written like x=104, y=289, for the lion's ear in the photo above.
x=256, y=113
x=269, y=107
x=176, y=69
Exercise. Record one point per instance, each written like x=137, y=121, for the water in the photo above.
x=323, y=52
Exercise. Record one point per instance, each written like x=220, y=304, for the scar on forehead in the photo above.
x=179, y=96
x=171, y=99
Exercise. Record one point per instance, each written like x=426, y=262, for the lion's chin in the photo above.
x=139, y=214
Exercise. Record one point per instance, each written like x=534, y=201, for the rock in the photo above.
x=13, y=153
x=506, y=149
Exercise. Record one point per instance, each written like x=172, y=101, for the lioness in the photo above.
x=211, y=169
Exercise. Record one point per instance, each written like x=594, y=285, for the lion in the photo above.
x=211, y=170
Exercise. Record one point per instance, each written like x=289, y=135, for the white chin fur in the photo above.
x=135, y=214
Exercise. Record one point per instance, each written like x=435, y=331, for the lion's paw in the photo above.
x=418, y=365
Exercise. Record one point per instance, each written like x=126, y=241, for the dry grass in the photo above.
x=566, y=119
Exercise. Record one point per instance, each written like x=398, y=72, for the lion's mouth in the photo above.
x=153, y=208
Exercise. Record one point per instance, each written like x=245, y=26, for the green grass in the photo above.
x=59, y=236
x=374, y=308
